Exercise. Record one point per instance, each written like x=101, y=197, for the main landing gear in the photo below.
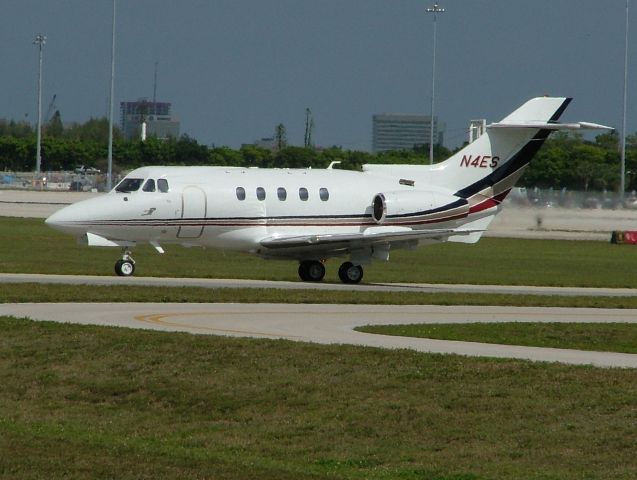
x=311, y=271
x=126, y=266
x=350, y=273
x=314, y=271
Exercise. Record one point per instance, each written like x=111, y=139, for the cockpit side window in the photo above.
x=149, y=186
x=162, y=185
x=129, y=185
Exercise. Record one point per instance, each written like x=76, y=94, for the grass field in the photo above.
x=28, y=246
x=34, y=292
x=89, y=402
x=605, y=337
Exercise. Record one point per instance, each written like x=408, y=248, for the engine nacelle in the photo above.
x=393, y=205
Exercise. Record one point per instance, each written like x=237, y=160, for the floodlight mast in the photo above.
x=109, y=174
x=436, y=9
x=40, y=40
x=622, y=179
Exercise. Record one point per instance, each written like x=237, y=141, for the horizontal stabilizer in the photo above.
x=551, y=126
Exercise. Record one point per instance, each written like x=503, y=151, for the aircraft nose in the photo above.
x=60, y=220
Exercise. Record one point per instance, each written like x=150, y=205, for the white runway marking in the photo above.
x=334, y=324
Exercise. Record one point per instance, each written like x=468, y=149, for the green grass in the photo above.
x=28, y=246
x=91, y=402
x=34, y=292
x=608, y=337
x=95, y=402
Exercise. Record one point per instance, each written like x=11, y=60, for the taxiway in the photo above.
x=365, y=287
x=334, y=324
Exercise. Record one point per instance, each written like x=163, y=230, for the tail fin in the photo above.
x=485, y=171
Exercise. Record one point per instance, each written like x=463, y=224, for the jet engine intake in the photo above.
x=393, y=205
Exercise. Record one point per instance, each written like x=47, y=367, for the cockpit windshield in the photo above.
x=129, y=185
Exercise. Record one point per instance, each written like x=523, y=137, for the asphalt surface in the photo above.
x=334, y=324
x=365, y=287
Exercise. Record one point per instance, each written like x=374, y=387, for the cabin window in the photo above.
x=261, y=193
x=241, y=193
x=303, y=195
x=149, y=186
x=162, y=185
x=324, y=194
x=129, y=185
x=281, y=193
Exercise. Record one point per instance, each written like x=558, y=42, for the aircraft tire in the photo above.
x=350, y=273
x=311, y=271
x=124, y=268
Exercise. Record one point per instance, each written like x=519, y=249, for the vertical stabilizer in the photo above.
x=485, y=171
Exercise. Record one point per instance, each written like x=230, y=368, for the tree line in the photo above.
x=565, y=161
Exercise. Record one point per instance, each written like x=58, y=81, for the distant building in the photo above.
x=267, y=143
x=404, y=132
x=477, y=129
x=160, y=122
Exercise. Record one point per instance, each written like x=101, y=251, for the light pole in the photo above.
x=622, y=180
x=109, y=174
x=436, y=9
x=40, y=40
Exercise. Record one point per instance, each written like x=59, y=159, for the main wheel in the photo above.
x=311, y=271
x=124, y=268
x=350, y=273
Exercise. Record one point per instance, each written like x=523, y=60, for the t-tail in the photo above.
x=486, y=170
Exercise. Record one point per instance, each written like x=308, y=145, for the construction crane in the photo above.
x=309, y=126
x=51, y=109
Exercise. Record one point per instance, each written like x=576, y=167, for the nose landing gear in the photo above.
x=126, y=266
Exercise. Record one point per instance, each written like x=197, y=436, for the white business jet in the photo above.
x=311, y=215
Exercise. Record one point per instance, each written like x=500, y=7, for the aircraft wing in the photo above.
x=335, y=244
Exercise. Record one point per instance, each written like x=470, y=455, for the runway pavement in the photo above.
x=333, y=324
x=366, y=287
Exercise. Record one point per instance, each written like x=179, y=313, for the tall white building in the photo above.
x=159, y=120
x=393, y=131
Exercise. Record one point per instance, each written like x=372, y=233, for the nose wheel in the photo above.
x=126, y=266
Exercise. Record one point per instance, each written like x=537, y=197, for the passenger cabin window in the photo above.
x=324, y=194
x=303, y=195
x=129, y=185
x=149, y=186
x=260, y=193
x=241, y=193
x=162, y=185
x=281, y=193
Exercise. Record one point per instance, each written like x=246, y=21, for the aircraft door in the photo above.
x=193, y=212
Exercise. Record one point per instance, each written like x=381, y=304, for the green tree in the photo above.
x=16, y=129
x=54, y=127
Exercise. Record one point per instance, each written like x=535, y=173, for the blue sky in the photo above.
x=233, y=69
